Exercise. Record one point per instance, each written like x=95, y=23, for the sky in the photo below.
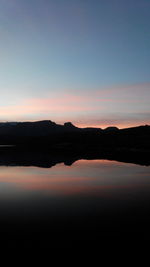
x=85, y=61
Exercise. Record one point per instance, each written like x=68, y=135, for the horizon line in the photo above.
x=80, y=125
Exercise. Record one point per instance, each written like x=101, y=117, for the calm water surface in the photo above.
x=90, y=200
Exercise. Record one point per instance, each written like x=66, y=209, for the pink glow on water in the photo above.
x=84, y=176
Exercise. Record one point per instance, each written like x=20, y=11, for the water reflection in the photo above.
x=83, y=177
x=110, y=196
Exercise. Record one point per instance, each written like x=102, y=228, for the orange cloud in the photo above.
x=121, y=106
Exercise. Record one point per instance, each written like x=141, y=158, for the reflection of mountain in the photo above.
x=45, y=143
x=46, y=158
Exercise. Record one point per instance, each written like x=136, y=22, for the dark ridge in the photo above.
x=69, y=125
x=48, y=134
x=111, y=129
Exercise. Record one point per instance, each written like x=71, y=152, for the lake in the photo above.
x=89, y=201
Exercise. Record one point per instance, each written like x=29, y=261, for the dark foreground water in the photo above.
x=88, y=203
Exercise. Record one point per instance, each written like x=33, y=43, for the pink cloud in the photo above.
x=120, y=106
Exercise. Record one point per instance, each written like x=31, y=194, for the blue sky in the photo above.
x=55, y=50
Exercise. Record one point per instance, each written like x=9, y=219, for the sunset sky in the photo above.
x=85, y=61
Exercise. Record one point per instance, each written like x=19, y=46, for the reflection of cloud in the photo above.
x=94, y=177
x=120, y=106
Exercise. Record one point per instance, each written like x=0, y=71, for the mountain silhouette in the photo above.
x=47, y=134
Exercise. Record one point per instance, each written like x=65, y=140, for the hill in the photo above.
x=49, y=134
